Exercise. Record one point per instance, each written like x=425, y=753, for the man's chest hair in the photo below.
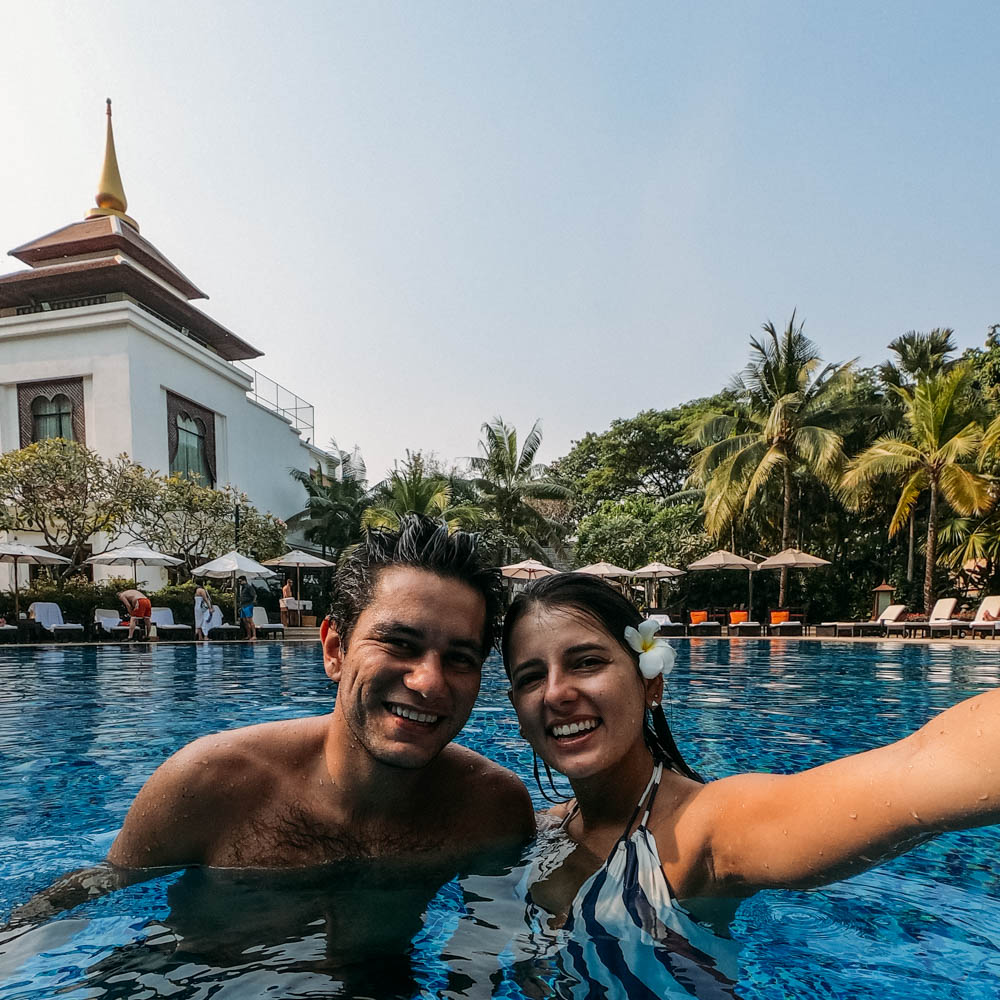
x=293, y=835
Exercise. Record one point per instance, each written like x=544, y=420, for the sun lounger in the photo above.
x=666, y=626
x=265, y=628
x=108, y=625
x=739, y=624
x=700, y=624
x=166, y=627
x=8, y=633
x=219, y=630
x=49, y=617
x=980, y=625
x=939, y=618
x=782, y=622
x=876, y=626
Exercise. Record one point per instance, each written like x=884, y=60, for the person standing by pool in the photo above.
x=247, y=599
x=587, y=681
x=139, y=610
x=203, y=609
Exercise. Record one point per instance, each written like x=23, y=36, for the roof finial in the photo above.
x=110, y=191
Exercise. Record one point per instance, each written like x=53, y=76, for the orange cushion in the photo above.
x=777, y=617
x=697, y=617
x=738, y=617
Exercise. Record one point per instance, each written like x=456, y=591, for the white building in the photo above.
x=99, y=342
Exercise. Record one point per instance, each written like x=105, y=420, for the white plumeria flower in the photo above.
x=656, y=656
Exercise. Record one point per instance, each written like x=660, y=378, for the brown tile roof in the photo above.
x=104, y=233
x=106, y=275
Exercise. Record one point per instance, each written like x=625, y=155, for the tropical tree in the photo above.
x=415, y=488
x=332, y=515
x=936, y=452
x=784, y=420
x=509, y=482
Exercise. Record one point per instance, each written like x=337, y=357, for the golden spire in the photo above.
x=110, y=192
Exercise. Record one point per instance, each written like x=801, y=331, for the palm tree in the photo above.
x=414, y=490
x=509, y=481
x=782, y=423
x=940, y=440
x=333, y=511
x=918, y=356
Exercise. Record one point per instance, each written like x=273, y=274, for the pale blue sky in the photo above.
x=430, y=213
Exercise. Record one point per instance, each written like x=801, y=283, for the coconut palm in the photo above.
x=510, y=482
x=935, y=453
x=782, y=423
x=413, y=489
x=333, y=511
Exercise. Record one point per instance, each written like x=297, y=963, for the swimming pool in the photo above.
x=81, y=729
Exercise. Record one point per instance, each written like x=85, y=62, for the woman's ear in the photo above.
x=333, y=649
x=654, y=690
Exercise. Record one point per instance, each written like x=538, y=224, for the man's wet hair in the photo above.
x=425, y=544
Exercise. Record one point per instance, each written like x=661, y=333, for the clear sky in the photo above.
x=428, y=213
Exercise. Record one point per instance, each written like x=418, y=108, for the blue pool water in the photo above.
x=82, y=728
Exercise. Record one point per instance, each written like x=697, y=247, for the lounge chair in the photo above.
x=266, y=628
x=876, y=626
x=107, y=624
x=166, y=627
x=218, y=629
x=980, y=625
x=939, y=618
x=666, y=626
x=782, y=622
x=8, y=633
x=739, y=624
x=700, y=624
x=49, y=617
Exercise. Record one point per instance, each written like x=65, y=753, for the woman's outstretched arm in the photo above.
x=807, y=829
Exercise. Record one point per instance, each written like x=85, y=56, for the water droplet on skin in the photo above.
x=983, y=797
x=915, y=816
x=853, y=815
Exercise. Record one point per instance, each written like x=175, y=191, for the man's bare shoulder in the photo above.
x=191, y=800
x=490, y=793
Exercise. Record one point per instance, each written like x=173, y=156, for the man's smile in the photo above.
x=412, y=714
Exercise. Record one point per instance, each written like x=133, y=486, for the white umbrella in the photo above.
x=721, y=559
x=233, y=564
x=656, y=571
x=528, y=569
x=605, y=569
x=298, y=559
x=18, y=552
x=134, y=554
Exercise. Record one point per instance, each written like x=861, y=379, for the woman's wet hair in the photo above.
x=423, y=543
x=592, y=597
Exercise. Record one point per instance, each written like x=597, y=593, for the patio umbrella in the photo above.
x=793, y=559
x=18, y=552
x=605, y=569
x=298, y=559
x=233, y=564
x=721, y=559
x=134, y=554
x=656, y=571
x=528, y=569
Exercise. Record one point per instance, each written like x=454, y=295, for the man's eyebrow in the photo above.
x=385, y=630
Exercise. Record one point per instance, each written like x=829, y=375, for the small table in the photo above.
x=293, y=610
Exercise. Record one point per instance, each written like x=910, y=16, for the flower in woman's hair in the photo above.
x=656, y=656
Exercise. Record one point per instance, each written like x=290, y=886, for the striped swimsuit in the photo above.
x=626, y=934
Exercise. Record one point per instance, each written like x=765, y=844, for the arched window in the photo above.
x=52, y=418
x=191, y=458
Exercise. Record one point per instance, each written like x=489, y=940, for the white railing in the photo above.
x=283, y=401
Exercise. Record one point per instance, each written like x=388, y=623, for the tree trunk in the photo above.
x=931, y=549
x=909, y=554
x=786, y=532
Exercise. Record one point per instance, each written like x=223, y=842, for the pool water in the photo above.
x=82, y=728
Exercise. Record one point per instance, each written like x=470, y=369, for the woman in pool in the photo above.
x=588, y=702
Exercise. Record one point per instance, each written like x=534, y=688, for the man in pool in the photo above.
x=414, y=614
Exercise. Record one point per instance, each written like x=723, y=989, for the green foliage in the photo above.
x=640, y=530
x=68, y=493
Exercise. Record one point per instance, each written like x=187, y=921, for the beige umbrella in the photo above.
x=528, y=569
x=721, y=559
x=656, y=571
x=134, y=554
x=605, y=569
x=18, y=552
x=793, y=559
x=234, y=565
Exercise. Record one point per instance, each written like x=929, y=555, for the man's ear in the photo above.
x=333, y=649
